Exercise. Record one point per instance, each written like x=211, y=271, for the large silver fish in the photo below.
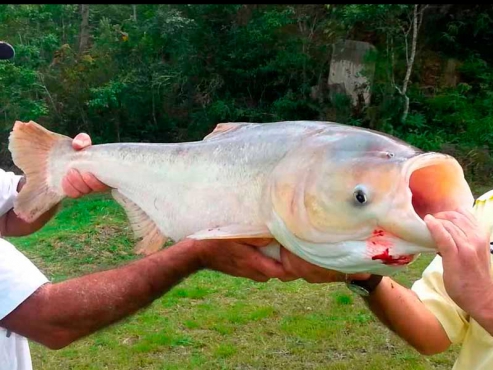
x=338, y=196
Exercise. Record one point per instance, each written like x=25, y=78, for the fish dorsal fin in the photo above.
x=222, y=128
x=236, y=231
x=151, y=238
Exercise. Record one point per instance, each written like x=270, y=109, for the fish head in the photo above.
x=354, y=201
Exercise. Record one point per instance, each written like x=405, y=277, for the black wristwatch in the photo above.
x=364, y=287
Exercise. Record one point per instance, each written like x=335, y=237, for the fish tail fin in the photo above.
x=32, y=147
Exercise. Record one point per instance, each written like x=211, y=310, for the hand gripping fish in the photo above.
x=341, y=197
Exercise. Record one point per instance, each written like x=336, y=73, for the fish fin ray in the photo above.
x=236, y=231
x=222, y=128
x=31, y=145
x=143, y=227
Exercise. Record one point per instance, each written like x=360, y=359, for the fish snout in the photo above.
x=430, y=183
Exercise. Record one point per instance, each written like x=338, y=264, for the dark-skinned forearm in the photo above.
x=12, y=225
x=61, y=313
x=402, y=312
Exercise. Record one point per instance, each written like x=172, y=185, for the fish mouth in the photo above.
x=435, y=183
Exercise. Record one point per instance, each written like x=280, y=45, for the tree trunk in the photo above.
x=410, y=64
x=84, y=28
x=134, y=7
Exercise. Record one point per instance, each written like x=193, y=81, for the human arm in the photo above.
x=74, y=184
x=58, y=314
x=402, y=311
x=12, y=225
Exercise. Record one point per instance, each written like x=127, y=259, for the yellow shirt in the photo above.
x=476, y=351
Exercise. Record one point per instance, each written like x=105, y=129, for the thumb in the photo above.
x=444, y=241
x=81, y=141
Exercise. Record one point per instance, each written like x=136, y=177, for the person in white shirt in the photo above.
x=55, y=315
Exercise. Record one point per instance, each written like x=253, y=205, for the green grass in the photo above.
x=214, y=321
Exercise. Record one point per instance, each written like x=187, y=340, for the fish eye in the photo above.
x=360, y=195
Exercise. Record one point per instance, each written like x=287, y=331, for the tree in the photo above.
x=417, y=20
x=84, y=28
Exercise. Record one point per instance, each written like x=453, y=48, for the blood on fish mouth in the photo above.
x=387, y=259
x=378, y=233
x=379, y=245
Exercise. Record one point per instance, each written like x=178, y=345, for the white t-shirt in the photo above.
x=19, y=278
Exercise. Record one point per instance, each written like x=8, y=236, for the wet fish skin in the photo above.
x=294, y=181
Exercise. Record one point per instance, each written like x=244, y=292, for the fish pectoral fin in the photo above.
x=238, y=231
x=152, y=239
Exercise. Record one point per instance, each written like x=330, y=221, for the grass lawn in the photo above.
x=213, y=321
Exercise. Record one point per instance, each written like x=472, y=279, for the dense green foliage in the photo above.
x=172, y=72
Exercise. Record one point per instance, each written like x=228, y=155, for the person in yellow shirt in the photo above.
x=452, y=302
x=457, y=287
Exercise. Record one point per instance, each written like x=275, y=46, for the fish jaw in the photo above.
x=431, y=183
x=381, y=253
x=391, y=250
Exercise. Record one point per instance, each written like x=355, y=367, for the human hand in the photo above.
x=464, y=247
x=300, y=269
x=76, y=184
x=241, y=258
